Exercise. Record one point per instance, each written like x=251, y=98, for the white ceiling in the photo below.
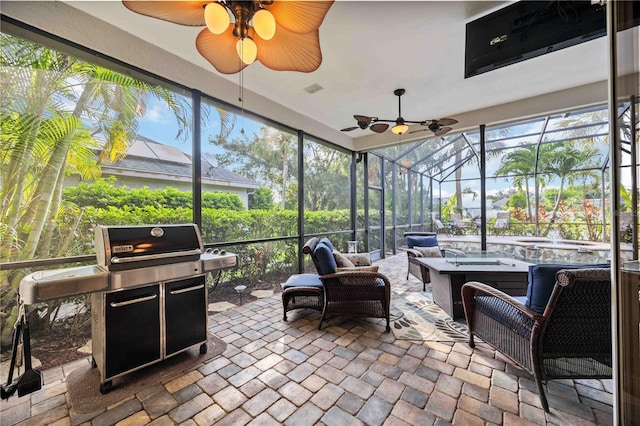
x=371, y=48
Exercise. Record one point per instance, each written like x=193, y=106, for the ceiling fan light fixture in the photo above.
x=264, y=24
x=285, y=33
x=399, y=129
x=247, y=50
x=216, y=17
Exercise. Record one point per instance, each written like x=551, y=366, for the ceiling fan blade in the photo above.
x=179, y=12
x=220, y=50
x=379, y=127
x=447, y=121
x=348, y=129
x=289, y=51
x=441, y=131
x=363, y=118
x=299, y=16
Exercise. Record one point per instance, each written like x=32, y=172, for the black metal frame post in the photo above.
x=353, y=200
x=483, y=190
x=196, y=164
x=301, y=235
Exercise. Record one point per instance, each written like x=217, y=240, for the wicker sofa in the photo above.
x=350, y=291
x=562, y=329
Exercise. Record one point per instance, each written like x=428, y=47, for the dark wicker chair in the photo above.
x=353, y=292
x=571, y=339
x=414, y=267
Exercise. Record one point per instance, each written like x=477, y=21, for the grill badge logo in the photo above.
x=157, y=232
x=122, y=249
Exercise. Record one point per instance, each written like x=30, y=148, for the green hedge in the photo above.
x=224, y=219
x=103, y=194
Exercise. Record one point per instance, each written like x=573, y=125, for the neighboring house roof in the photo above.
x=501, y=202
x=146, y=157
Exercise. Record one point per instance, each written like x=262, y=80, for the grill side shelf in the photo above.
x=59, y=283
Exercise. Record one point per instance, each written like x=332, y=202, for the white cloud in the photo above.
x=158, y=113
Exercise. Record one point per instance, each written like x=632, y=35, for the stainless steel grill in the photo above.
x=129, y=256
x=149, y=295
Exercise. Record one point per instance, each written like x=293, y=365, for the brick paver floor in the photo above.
x=350, y=373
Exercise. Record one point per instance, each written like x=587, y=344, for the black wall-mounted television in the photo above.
x=527, y=29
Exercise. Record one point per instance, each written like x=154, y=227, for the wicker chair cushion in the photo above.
x=422, y=241
x=358, y=259
x=429, y=251
x=501, y=223
x=370, y=268
x=327, y=242
x=324, y=260
x=542, y=279
x=303, y=280
x=341, y=260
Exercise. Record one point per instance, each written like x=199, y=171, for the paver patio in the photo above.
x=349, y=373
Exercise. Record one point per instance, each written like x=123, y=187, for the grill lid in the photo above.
x=126, y=247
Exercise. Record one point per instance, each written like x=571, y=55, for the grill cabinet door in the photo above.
x=185, y=314
x=132, y=329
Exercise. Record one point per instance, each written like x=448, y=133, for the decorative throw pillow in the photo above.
x=341, y=260
x=429, y=251
x=422, y=241
x=359, y=259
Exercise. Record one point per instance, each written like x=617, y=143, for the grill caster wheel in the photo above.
x=105, y=387
x=203, y=349
x=93, y=363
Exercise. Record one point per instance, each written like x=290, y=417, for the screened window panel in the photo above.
x=74, y=158
x=255, y=162
x=326, y=188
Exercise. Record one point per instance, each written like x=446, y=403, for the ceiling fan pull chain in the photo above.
x=241, y=93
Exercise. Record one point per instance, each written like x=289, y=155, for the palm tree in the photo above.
x=563, y=161
x=51, y=109
x=520, y=163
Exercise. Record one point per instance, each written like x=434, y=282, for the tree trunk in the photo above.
x=20, y=164
x=556, y=205
x=526, y=187
x=70, y=235
x=48, y=180
x=458, y=182
x=285, y=173
x=45, y=246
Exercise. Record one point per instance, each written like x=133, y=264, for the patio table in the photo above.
x=448, y=274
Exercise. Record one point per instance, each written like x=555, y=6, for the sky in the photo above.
x=159, y=124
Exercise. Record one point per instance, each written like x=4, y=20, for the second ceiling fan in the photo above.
x=378, y=125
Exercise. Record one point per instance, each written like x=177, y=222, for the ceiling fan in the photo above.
x=282, y=35
x=375, y=124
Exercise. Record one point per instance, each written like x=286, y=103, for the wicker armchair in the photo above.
x=503, y=222
x=414, y=267
x=352, y=292
x=571, y=339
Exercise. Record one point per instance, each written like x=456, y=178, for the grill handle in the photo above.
x=116, y=259
x=184, y=290
x=132, y=301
